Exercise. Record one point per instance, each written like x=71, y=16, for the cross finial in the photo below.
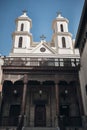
x=42, y=37
x=24, y=11
x=58, y=13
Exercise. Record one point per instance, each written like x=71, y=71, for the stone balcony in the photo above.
x=27, y=61
x=44, y=65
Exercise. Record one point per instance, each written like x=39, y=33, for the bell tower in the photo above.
x=22, y=38
x=62, y=38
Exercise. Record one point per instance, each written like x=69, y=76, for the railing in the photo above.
x=21, y=121
x=63, y=121
x=70, y=121
x=57, y=62
x=47, y=124
x=9, y=121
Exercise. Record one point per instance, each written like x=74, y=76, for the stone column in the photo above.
x=23, y=106
x=24, y=95
x=57, y=102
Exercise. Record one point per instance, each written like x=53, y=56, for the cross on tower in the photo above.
x=42, y=37
x=24, y=11
x=59, y=12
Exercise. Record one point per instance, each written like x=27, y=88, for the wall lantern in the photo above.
x=40, y=92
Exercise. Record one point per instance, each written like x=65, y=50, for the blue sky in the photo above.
x=42, y=13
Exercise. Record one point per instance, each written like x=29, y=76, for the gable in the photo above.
x=43, y=48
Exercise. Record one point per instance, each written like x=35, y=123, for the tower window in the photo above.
x=22, y=27
x=63, y=42
x=20, y=42
x=61, y=26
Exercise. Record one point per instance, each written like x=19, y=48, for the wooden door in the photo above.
x=40, y=115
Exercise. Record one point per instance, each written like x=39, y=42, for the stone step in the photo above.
x=8, y=128
x=29, y=128
x=40, y=128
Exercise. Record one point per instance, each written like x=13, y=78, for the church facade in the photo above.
x=40, y=83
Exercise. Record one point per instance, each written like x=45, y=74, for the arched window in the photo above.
x=22, y=26
x=63, y=42
x=20, y=42
x=61, y=26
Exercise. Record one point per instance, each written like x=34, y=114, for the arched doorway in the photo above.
x=40, y=103
x=40, y=114
x=11, y=102
x=69, y=110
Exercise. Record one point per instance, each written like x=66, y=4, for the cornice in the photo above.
x=62, y=34
x=59, y=20
x=24, y=19
x=21, y=33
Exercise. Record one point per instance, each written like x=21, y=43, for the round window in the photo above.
x=42, y=49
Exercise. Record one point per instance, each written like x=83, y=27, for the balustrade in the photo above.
x=57, y=62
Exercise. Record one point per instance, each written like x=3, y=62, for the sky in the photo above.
x=42, y=13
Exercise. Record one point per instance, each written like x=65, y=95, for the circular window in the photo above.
x=42, y=49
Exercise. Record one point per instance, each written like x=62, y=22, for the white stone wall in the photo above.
x=68, y=41
x=25, y=43
x=65, y=51
x=65, y=26
x=27, y=25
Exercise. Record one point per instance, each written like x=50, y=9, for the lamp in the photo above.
x=40, y=92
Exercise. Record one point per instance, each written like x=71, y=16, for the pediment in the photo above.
x=43, y=48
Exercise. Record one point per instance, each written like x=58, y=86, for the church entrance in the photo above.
x=64, y=110
x=14, y=114
x=40, y=115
